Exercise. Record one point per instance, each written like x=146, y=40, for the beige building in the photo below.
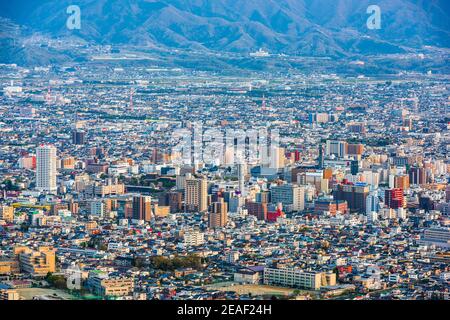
x=9, y=294
x=111, y=287
x=9, y=266
x=6, y=213
x=291, y=277
x=196, y=194
x=218, y=215
x=38, y=262
x=161, y=211
x=100, y=190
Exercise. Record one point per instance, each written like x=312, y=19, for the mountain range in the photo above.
x=331, y=28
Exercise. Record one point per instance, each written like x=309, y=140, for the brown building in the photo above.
x=68, y=163
x=97, y=168
x=401, y=182
x=73, y=207
x=332, y=206
x=257, y=209
x=355, y=195
x=355, y=149
x=218, y=215
x=58, y=206
x=417, y=176
x=172, y=199
x=142, y=208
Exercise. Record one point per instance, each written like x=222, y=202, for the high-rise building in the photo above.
x=218, y=215
x=355, y=149
x=257, y=209
x=78, y=137
x=417, y=175
x=241, y=172
x=321, y=159
x=173, y=199
x=46, y=169
x=142, y=208
x=337, y=148
x=372, y=203
x=393, y=198
x=196, y=194
x=401, y=182
x=97, y=208
x=354, y=167
x=277, y=157
x=291, y=196
x=355, y=195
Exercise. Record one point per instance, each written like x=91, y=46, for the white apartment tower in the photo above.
x=46, y=168
x=241, y=172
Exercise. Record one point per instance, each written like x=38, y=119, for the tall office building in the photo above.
x=218, y=215
x=173, y=199
x=241, y=172
x=257, y=209
x=354, y=167
x=277, y=157
x=355, y=195
x=196, y=194
x=393, y=198
x=46, y=168
x=417, y=176
x=290, y=195
x=372, y=203
x=401, y=182
x=321, y=159
x=78, y=137
x=142, y=208
x=337, y=148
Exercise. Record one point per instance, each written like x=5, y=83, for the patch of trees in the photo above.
x=177, y=262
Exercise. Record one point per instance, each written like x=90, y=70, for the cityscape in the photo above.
x=130, y=174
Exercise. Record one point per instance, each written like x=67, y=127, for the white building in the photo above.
x=372, y=203
x=46, y=169
x=291, y=277
x=193, y=238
